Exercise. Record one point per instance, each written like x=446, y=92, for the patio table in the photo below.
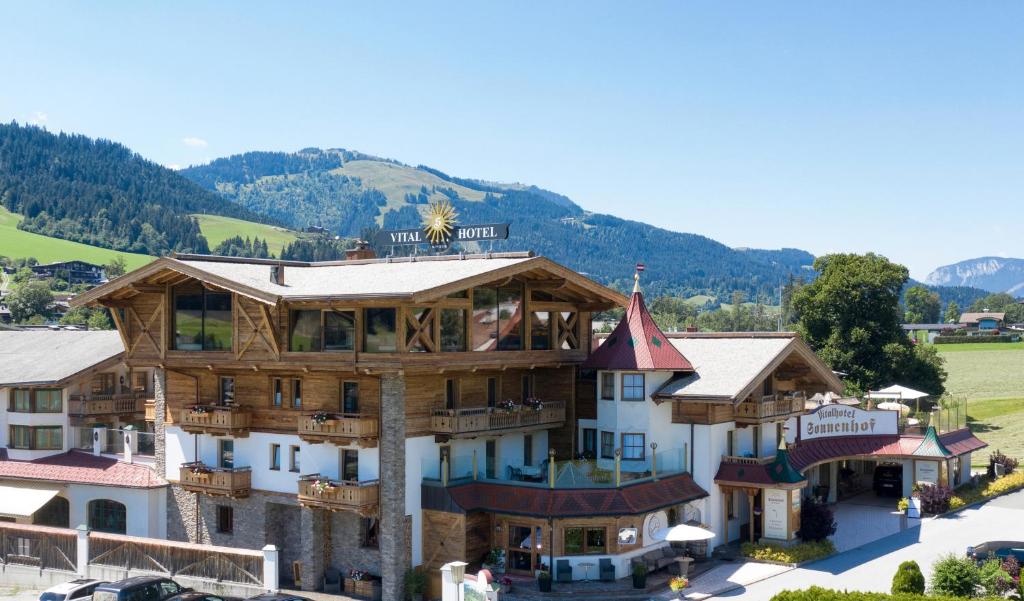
x=586, y=565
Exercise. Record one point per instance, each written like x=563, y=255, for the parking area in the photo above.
x=865, y=518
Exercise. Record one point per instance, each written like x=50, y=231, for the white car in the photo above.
x=75, y=590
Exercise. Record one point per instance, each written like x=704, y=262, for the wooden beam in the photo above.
x=269, y=323
x=119, y=324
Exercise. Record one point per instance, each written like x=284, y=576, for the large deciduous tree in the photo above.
x=923, y=305
x=850, y=315
x=28, y=300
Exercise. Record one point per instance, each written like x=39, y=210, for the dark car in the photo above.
x=195, y=596
x=888, y=480
x=139, y=588
x=276, y=597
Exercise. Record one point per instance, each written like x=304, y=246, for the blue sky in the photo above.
x=893, y=127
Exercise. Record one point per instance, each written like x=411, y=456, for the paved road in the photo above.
x=870, y=568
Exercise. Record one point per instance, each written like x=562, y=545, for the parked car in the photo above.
x=139, y=588
x=75, y=590
x=197, y=596
x=277, y=597
x=888, y=480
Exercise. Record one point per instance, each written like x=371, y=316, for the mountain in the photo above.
x=995, y=274
x=349, y=192
x=101, y=193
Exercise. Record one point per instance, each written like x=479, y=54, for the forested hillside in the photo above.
x=101, y=193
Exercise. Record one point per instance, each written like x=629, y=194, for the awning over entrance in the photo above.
x=23, y=502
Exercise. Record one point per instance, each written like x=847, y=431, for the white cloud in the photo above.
x=194, y=142
x=38, y=118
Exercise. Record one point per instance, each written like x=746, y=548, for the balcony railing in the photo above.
x=771, y=406
x=216, y=481
x=359, y=497
x=216, y=419
x=151, y=410
x=104, y=404
x=487, y=419
x=342, y=428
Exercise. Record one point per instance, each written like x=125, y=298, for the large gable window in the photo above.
x=379, y=335
x=313, y=330
x=202, y=320
x=497, y=322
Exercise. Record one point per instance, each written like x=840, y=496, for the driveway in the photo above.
x=871, y=567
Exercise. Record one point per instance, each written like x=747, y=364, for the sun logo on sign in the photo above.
x=440, y=222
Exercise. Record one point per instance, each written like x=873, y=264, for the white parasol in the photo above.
x=681, y=533
x=894, y=406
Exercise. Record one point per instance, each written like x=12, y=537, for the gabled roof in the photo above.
x=971, y=318
x=931, y=446
x=417, y=279
x=38, y=357
x=637, y=343
x=728, y=365
x=77, y=467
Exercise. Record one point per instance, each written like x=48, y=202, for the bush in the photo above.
x=415, y=582
x=999, y=458
x=902, y=504
x=816, y=521
x=821, y=594
x=935, y=499
x=960, y=339
x=794, y=554
x=994, y=579
x=908, y=579
x=955, y=576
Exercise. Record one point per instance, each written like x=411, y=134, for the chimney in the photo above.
x=277, y=274
x=361, y=251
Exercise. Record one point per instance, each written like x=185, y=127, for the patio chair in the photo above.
x=564, y=571
x=606, y=569
x=332, y=581
x=513, y=473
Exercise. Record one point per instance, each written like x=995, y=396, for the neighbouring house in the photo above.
x=73, y=272
x=982, y=322
x=929, y=330
x=74, y=434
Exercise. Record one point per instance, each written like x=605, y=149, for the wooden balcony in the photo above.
x=80, y=405
x=358, y=497
x=770, y=407
x=219, y=420
x=215, y=481
x=463, y=423
x=339, y=428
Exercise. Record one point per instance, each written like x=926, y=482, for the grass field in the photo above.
x=216, y=229
x=17, y=244
x=991, y=377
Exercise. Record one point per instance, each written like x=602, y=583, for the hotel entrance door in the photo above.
x=523, y=548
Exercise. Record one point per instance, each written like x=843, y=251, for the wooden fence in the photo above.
x=38, y=546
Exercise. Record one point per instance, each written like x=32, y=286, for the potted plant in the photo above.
x=504, y=585
x=495, y=560
x=639, y=575
x=544, y=581
x=321, y=486
x=322, y=417
x=677, y=584
x=415, y=584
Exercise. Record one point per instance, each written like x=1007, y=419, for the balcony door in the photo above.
x=524, y=552
x=491, y=460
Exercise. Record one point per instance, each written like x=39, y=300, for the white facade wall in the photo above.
x=146, y=508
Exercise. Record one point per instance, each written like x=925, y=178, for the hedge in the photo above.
x=797, y=553
x=973, y=339
x=822, y=594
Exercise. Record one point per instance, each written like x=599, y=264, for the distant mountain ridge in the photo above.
x=994, y=274
x=349, y=192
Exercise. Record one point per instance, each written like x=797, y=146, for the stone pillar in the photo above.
x=159, y=417
x=271, y=576
x=393, y=546
x=82, y=548
x=312, y=526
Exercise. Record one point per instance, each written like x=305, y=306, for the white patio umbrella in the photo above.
x=894, y=406
x=681, y=533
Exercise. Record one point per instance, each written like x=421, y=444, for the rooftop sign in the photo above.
x=830, y=421
x=440, y=230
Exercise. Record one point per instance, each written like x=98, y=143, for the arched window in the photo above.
x=107, y=516
x=55, y=513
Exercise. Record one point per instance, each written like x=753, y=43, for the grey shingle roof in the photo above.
x=723, y=366
x=46, y=357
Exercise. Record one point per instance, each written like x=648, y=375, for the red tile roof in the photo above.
x=76, y=467
x=545, y=502
x=961, y=441
x=637, y=343
x=746, y=473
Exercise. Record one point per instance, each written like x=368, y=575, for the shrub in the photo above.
x=935, y=499
x=794, y=554
x=955, y=576
x=821, y=594
x=999, y=458
x=994, y=579
x=1011, y=566
x=1004, y=485
x=961, y=339
x=902, y=504
x=415, y=582
x=908, y=579
x=816, y=521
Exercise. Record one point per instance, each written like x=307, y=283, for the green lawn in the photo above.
x=980, y=346
x=18, y=244
x=216, y=229
x=1000, y=423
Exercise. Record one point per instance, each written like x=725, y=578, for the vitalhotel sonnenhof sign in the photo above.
x=440, y=230
x=840, y=420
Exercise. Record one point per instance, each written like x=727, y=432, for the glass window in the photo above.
x=573, y=541
x=484, y=327
x=453, y=330
x=103, y=384
x=510, y=318
x=589, y=443
x=632, y=387
x=225, y=519
x=527, y=449
x=492, y=392
x=379, y=331
x=596, y=540
x=584, y=541
x=21, y=437
x=633, y=446
x=608, y=385
x=350, y=465
x=275, y=457
x=527, y=387
x=415, y=334
x=350, y=397
x=227, y=390
x=294, y=464
x=278, y=392
x=107, y=516
x=296, y=394
x=50, y=438
x=607, y=445
x=450, y=393
x=540, y=330
x=49, y=400
x=368, y=532
x=305, y=331
x=21, y=400
x=202, y=321
x=227, y=453
x=339, y=330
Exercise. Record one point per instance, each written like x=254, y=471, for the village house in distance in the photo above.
x=377, y=414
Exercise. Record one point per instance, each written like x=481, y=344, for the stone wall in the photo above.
x=394, y=547
x=347, y=552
